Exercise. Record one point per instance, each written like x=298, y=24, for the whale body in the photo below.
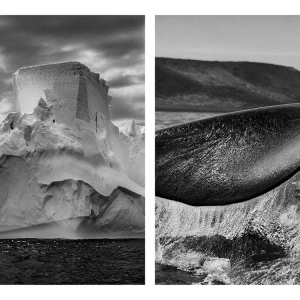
x=229, y=158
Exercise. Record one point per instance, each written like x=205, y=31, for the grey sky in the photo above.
x=113, y=46
x=269, y=39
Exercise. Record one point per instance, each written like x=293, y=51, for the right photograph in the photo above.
x=227, y=150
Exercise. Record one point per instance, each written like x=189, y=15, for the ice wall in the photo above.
x=61, y=158
x=72, y=89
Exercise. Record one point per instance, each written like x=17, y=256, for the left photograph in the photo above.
x=72, y=149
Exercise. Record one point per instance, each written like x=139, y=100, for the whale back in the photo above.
x=229, y=158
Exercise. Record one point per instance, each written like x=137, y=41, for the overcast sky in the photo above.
x=269, y=39
x=113, y=46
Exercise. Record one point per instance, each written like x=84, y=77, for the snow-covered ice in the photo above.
x=61, y=157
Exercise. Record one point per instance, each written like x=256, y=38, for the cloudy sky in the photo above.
x=113, y=46
x=269, y=39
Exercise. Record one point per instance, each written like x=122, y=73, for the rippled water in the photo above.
x=196, y=267
x=60, y=261
x=167, y=275
x=274, y=272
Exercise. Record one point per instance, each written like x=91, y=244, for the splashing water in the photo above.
x=254, y=237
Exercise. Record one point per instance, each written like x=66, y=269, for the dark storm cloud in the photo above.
x=119, y=48
x=124, y=112
x=110, y=45
x=127, y=80
x=73, y=26
x=123, y=109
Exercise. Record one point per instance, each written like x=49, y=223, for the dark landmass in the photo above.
x=213, y=86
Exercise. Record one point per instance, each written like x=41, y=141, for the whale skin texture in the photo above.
x=229, y=158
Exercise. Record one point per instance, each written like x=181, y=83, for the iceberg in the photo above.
x=62, y=160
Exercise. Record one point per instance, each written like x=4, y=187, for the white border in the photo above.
x=150, y=9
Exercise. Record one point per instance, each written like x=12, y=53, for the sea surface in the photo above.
x=171, y=275
x=165, y=119
x=63, y=261
x=283, y=271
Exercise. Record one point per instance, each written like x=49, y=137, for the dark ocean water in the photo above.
x=284, y=271
x=60, y=261
x=168, y=275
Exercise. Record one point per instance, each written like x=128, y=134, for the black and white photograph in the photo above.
x=72, y=149
x=227, y=150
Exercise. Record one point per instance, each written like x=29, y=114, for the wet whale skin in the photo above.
x=229, y=158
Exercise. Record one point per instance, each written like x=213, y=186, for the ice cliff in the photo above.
x=63, y=161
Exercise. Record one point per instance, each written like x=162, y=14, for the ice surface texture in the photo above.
x=62, y=158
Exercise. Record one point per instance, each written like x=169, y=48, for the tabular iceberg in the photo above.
x=63, y=162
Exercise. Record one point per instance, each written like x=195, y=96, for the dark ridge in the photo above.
x=129, y=192
x=192, y=85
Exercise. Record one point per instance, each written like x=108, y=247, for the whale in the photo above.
x=229, y=158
